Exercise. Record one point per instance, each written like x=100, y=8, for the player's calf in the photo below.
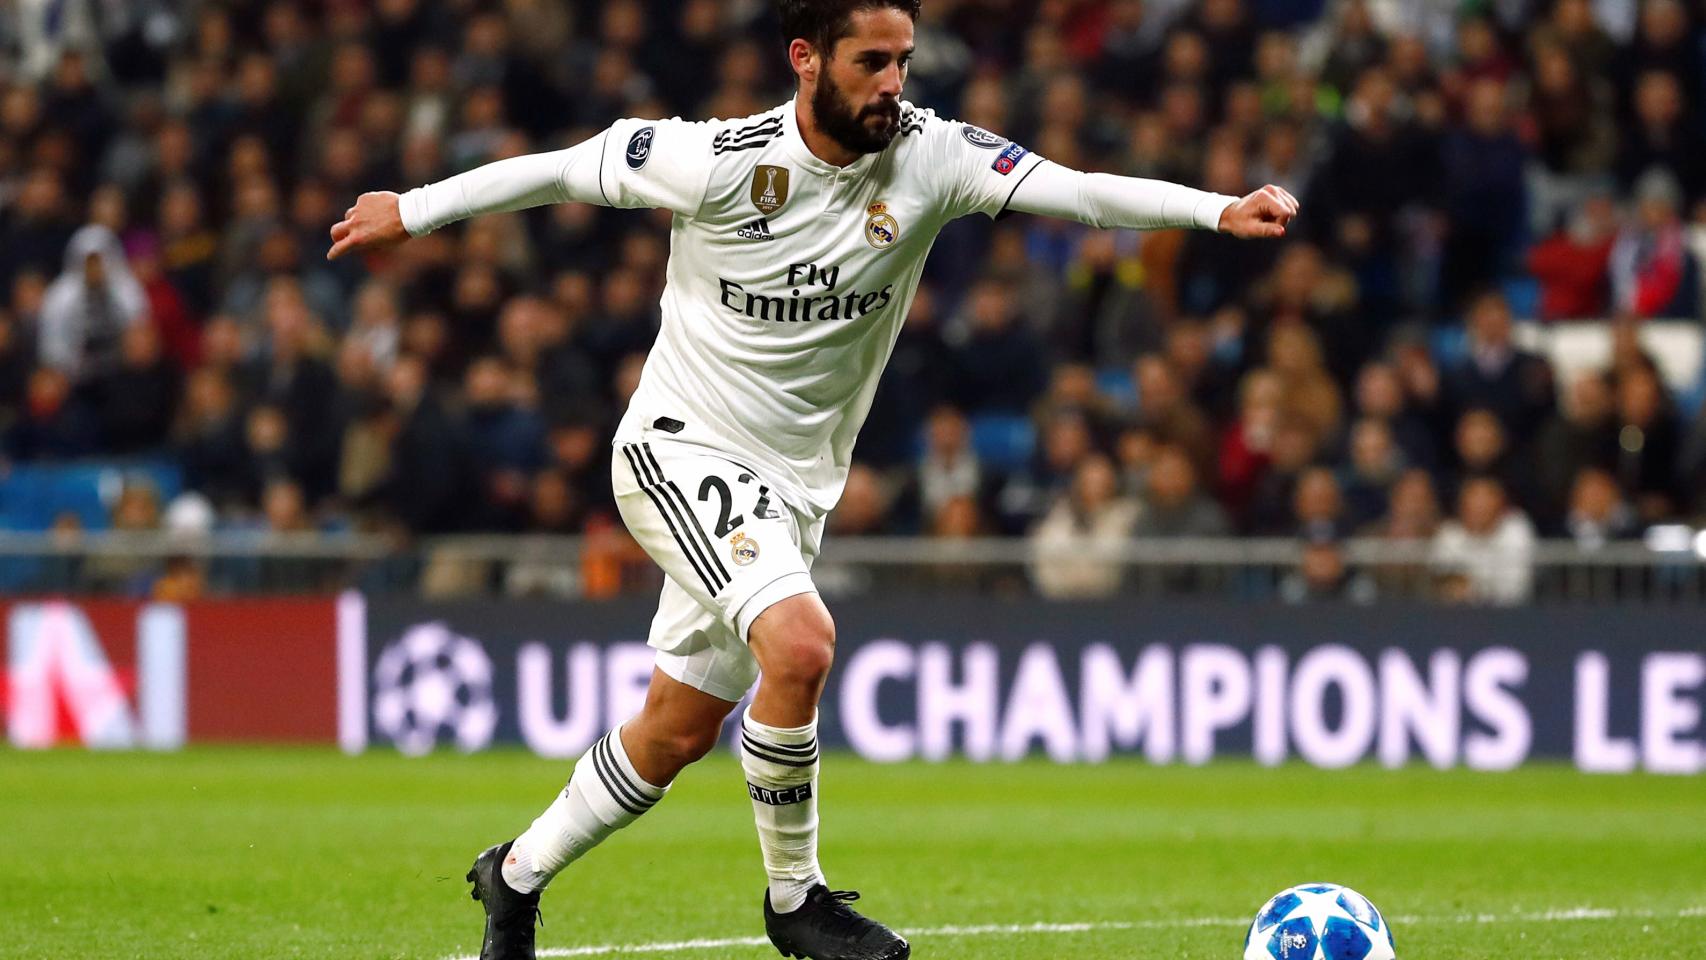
x=604, y=794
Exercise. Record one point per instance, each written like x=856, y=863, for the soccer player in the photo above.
x=795, y=249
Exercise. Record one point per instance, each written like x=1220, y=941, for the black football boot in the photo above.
x=509, y=914
x=826, y=928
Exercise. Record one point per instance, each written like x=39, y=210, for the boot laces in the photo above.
x=841, y=919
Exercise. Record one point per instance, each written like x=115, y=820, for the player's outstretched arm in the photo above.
x=1105, y=200
x=381, y=220
x=635, y=163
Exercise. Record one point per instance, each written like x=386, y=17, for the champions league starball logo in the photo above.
x=640, y=147
x=432, y=682
x=981, y=138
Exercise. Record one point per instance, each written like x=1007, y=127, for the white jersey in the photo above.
x=789, y=277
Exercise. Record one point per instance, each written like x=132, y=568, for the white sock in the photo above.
x=781, y=778
x=603, y=796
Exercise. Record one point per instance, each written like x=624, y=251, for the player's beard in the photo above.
x=868, y=129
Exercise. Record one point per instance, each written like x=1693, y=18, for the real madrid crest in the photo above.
x=881, y=229
x=742, y=549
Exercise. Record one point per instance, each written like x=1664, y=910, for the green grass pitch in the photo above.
x=306, y=853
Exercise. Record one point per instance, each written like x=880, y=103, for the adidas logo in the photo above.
x=756, y=230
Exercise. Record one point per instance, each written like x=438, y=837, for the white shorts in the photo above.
x=730, y=549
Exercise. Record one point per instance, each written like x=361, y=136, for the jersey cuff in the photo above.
x=1209, y=209
x=412, y=209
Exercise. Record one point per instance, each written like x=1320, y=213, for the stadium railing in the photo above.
x=1668, y=567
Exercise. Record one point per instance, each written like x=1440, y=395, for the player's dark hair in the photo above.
x=823, y=23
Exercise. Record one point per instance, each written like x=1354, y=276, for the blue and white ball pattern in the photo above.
x=1319, y=921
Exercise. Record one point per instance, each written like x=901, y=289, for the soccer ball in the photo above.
x=1319, y=921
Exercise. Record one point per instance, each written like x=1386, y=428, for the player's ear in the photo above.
x=803, y=57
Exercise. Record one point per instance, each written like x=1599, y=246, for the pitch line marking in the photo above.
x=1021, y=929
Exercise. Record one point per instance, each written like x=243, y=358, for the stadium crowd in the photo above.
x=169, y=170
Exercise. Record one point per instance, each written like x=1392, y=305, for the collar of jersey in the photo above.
x=803, y=155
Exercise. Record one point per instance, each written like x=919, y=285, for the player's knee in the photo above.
x=806, y=654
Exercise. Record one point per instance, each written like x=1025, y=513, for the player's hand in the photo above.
x=1264, y=213
x=374, y=223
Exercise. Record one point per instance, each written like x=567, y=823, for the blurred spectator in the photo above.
x=1485, y=554
x=289, y=375
x=1318, y=504
x=1322, y=576
x=959, y=518
x=1485, y=191
x=1246, y=448
x=1073, y=389
x=1581, y=436
x=863, y=509
x=1379, y=171
x=1573, y=25
x=1380, y=396
x=1073, y=546
x=506, y=440
x=1107, y=316
x=53, y=425
x=1208, y=361
x=38, y=223
x=1174, y=506
x=1376, y=464
x=1665, y=40
x=1166, y=411
x=1413, y=510
x=1304, y=290
x=181, y=581
x=1215, y=269
x=1573, y=265
x=1649, y=442
x=137, y=510
x=998, y=367
x=1484, y=450
x=189, y=247
x=178, y=329
x=913, y=381
x=427, y=485
x=1351, y=43
x=16, y=361
x=1652, y=272
x=1576, y=134
x=136, y=401
x=949, y=467
x=576, y=446
x=1311, y=395
x=1514, y=385
x=282, y=507
x=90, y=305
x=1598, y=513
x=209, y=437
x=1134, y=454
x=1662, y=136
x=1295, y=448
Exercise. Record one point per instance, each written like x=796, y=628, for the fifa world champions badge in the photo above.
x=769, y=188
